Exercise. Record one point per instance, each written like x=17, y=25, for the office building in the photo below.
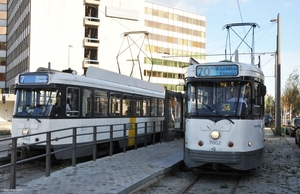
x=134, y=37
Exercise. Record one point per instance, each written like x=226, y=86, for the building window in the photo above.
x=2, y=76
x=3, y=15
x=2, y=30
x=2, y=61
x=2, y=46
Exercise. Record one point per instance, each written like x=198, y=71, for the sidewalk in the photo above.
x=120, y=173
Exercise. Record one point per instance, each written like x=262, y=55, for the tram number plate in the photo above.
x=215, y=142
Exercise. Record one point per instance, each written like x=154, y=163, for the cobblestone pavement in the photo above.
x=279, y=174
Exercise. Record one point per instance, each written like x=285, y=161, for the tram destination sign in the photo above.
x=217, y=70
x=33, y=79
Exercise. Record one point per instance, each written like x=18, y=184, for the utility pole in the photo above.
x=278, y=79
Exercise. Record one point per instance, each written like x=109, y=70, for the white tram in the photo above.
x=225, y=115
x=48, y=100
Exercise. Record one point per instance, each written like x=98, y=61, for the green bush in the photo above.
x=5, y=132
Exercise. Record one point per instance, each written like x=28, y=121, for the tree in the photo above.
x=270, y=105
x=290, y=97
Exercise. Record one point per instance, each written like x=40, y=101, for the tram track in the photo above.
x=214, y=181
x=196, y=180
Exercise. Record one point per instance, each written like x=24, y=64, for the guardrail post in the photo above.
x=48, y=153
x=154, y=134
x=135, y=136
x=74, y=147
x=161, y=131
x=124, y=138
x=111, y=140
x=94, y=143
x=145, y=137
x=13, y=167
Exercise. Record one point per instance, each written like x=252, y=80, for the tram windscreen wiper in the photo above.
x=210, y=108
x=215, y=111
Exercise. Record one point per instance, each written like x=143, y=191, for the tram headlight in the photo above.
x=25, y=131
x=249, y=143
x=215, y=135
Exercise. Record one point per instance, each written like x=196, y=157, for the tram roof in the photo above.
x=102, y=79
x=102, y=74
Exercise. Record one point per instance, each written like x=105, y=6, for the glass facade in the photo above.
x=175, y=36
x=3, y=17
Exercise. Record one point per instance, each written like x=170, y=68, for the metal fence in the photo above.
x=157, y=128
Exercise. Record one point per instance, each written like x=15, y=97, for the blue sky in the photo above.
x=221, y=12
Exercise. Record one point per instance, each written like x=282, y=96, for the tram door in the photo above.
x=173, y=115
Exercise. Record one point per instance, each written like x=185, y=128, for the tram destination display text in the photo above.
x=33, y=79
x=217, y=70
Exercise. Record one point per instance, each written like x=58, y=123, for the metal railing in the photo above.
x=155, y=126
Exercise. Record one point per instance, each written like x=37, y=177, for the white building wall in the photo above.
x=57, y=34
x=111, y=30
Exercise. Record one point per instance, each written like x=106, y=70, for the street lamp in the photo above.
x=70, y=46
x=277, y=82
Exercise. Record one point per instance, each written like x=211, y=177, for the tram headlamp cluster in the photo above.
x=215, y=135
x=25, y=131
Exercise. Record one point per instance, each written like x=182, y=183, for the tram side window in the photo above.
x=247, y=96
x=191, y=101
x=115, y=104
x=127, y=105
x=86, y=103
x=153, y=107
x=57, y=104
x=100, y=103
x=73, y=96
x=160, y=107
x=258, y=100
x=146, y=107
x=137, y=105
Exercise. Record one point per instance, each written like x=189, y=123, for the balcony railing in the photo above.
x=89, y=62
x=91, y=21
x=91, y=42
x=92, y=2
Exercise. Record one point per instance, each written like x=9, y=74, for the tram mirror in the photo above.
x=263, y=89
x=3, y=99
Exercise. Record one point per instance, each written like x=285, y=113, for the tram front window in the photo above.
x=218, y=98
x=34, y=103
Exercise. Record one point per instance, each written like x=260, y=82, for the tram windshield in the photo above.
x=218, y=98
x=35, y=103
